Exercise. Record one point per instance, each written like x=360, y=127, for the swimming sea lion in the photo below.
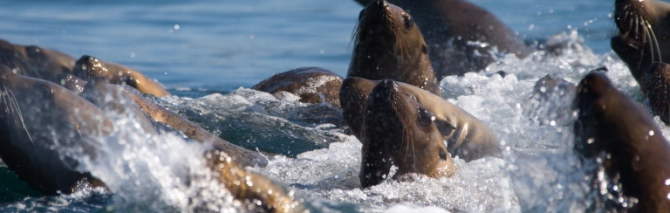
x=37, y=116
x=389, y=45
x=460, y=35
x=657, y=86
x=40, y=118
x=106, y=95
x=400, y=131
x=87, y=67
x=311, y=84
x=34, y=61
x=635, y=151
x=251, y=186
x=467, y=137
x=643, y=34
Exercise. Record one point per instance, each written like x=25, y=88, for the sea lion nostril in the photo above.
x=443, y=154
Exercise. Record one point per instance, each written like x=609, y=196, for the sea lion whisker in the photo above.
x=20, y=119
x=653, y=40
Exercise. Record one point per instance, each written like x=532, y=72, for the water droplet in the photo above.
x=651, y=132
x=590, y=141
x=176, y=27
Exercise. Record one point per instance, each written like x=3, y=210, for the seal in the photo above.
x=467, y=137
x=462, y=37
x=643, y=29
x=311, y=84
x=87, y=67
x=389, y=45
x=35, y=61
x=116, y=98
x=657, y=86
x=38, y=115
x=631, y=147
x=40, y=118
x=400, y=131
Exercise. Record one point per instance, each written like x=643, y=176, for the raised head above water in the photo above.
x=460, y=35
x=389, y=45
x=631, y=147
x=87, y=67
x=644, y=33
x=38, y=121
x=400, y=131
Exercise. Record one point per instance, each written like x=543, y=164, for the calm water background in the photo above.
x=223, y=45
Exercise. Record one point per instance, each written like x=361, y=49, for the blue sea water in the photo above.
x=196, y=48
x=222, y=45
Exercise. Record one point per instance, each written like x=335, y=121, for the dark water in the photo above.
x=196, y=48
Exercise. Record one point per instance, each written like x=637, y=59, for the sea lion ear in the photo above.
x=444, y=127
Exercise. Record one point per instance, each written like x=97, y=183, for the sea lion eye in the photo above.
x=409, y=22
x=443, y=154
x=425, y=117
x=424, y=49
x=33, y=51
x=444, y=127
x=44, y=91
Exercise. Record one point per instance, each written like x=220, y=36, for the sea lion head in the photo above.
x=389, y=44
x=34, y=61
x=400, y=131
x=39, y=121
x=642, y=28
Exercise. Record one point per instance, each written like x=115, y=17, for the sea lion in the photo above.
x=40, y=118
x=400, y=131
x=460, y=35
x=87, y=67
x=657, y=86
x=110, y=96
x=643, y=34
x=34, y=61
x=467, y=137
x=635, y=151
x=311, y=84
x=37, y=116
x=251, y=186
x=389, y=45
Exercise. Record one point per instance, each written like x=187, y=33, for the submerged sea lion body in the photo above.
x=466, y=136
x=311, y=84
x=389, y=45
x=87, y=67
x=399, y=130
x=34, y=61
x=460, y=35
x=636, y=152
x=37, y=116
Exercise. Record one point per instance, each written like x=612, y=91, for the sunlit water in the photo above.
x=204, y=51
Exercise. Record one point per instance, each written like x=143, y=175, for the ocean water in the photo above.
x=208, y=53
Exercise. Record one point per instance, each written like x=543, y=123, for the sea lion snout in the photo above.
x=400, y=131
